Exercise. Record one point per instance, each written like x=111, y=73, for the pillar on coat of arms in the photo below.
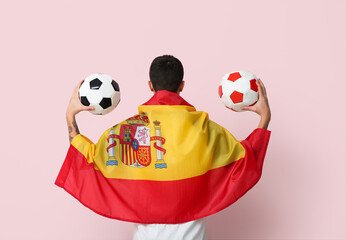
x=160, y=163
x=111, y=150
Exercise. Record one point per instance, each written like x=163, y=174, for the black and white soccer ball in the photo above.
x=100, y=91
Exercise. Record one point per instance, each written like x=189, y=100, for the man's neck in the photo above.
x=164, y=97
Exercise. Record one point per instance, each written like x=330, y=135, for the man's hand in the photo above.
x=262, y=106
x=74, y=107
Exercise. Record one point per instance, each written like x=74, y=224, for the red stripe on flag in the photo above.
x=164, y=201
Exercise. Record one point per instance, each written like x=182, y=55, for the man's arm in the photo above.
x=74, y=107
x=72, y=127
x=262, y=106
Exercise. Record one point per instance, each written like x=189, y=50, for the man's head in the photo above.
x=166, y=73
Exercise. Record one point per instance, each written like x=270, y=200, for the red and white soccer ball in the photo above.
x=238, y=89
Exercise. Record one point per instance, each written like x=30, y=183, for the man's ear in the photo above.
x=151, y=86
x=181, y=87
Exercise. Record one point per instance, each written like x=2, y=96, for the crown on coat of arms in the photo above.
x=157, y=123
x=141, y=119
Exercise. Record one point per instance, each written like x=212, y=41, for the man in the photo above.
x=167, y=167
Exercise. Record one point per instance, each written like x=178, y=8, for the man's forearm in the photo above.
x=72, y=126
x=264, y=122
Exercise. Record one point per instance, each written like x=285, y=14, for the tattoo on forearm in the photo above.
x=70, y=130
x=73, y=129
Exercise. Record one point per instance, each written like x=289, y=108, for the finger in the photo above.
x=263, y=87
x=88, y=108
x=260, y=89
x=80, y=83
x=76, y=90
x=248, y=109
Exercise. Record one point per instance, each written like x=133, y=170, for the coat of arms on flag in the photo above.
x=134, y=143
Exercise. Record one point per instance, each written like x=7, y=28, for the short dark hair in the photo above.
x=166, y=73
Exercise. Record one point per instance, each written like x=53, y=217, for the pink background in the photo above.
x=298, y=49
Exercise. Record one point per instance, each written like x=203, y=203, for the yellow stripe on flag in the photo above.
x=193, y=145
